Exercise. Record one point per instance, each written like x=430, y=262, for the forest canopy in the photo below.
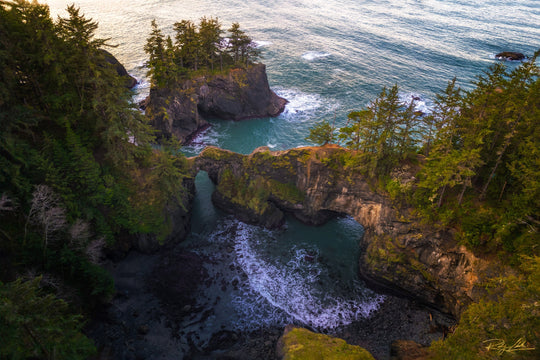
x=77, y=169
x=478, y=152
x=196, y=48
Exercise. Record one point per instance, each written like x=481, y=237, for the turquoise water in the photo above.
x=327, y=57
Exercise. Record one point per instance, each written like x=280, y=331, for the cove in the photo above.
x=299, y=274
x=230, y=288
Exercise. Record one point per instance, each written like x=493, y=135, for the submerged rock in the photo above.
x=298, y=343
x=510, y=55
x=239, y=94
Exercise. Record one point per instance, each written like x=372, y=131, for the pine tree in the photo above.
x=210, y=40
x=188, y=44
x=322, y=133
x=155, y=48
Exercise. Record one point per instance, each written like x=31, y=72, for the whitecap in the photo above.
x=422, y=103
x=301, y=106
x=141, y=90
x=262, y=43
x=315, y=55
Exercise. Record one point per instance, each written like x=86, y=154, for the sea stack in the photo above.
x=241, y=93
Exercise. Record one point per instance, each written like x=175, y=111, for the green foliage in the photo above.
x=300, y=344
x=504, y=325
x=196, y=48
x=38, y=325
x=76, y=159
x=322, y=133
x=252, y=194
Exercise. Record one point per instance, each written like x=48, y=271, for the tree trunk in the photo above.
x=439, y=203
x=460, y=199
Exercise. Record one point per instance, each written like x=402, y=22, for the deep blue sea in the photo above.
x=327, y=57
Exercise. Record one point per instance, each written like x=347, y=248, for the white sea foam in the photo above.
x=141, y=90
x=299, y=290
x=262, y=43
x=208, y=137
x=301, y=106
x=422, y=103
x=315, y=55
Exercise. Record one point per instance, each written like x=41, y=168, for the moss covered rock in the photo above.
x=314, y=184
x=300, y=344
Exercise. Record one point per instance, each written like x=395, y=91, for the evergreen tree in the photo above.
x=188, y=44
x=322, y=133
x=35, y=325
x=209, y=40
x=155, y=48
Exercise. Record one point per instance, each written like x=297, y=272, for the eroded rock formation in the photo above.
x=316, y=183
x=239, y=94
x=129, y=80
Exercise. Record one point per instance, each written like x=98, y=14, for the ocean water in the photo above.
x=327, y=57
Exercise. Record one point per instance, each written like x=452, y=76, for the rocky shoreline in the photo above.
x=154, y=295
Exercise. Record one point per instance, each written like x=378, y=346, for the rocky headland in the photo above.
x=129, y=81
x=400, y=253
x=238, y=94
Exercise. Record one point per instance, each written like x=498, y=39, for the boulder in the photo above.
x=510, y=55
x=298, y=343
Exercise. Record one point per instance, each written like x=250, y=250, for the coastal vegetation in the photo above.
x=477, y=155
x=77, y=170
x=196, y=49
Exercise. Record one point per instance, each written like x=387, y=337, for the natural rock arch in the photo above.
x=315, y=183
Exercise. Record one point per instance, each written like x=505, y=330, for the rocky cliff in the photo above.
x=129, y=80
x=317, y=183
x=239, y=94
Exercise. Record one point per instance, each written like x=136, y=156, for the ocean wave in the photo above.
x=423, y=104
x=315, y=55
x=301, y=106
x=208, y=137
x=299, y=290
x=262, y=43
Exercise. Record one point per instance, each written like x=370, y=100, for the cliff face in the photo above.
x=315, y=184
x=177, y=214
x=239, y=94
x=129, y=80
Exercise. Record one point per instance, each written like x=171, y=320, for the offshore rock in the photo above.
x=510, y=55
x=237, y=95
x=399, y=253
